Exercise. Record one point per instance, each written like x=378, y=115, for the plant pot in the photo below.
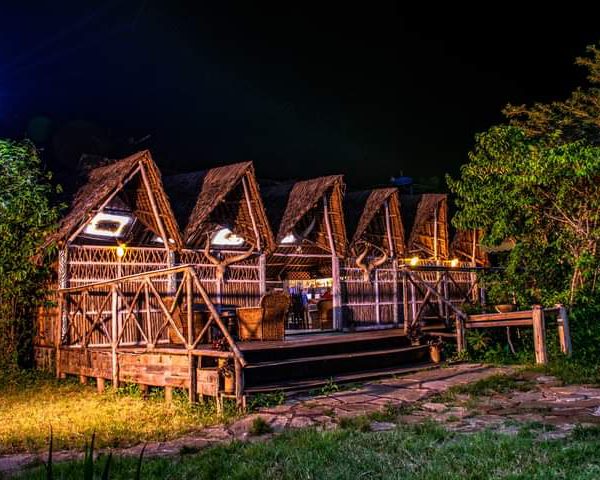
x=228, y=384
x=505, y=308
x=435, y=352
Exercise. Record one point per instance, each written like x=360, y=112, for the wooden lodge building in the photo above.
x=212, y=282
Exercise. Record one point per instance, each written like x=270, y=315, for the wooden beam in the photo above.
x=251, y=212
x=161, y=227
x=388, y=228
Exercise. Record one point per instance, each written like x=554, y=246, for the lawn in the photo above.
x=31, y=403
x=424, y=451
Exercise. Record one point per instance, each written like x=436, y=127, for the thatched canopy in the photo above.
x=297, y=209
x=210, y=199
x=467, y=248
x=367, y=219
x=426, y=219
x=121, y=185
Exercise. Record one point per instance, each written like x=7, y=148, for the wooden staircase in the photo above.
x=303, y=364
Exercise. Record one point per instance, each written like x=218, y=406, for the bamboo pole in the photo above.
x=114, y=334
x=539, y=335
x=262, y=274
x=564, y=331
x=460, y=335
x=335, y=270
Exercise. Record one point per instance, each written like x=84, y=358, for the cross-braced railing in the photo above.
x=141, y=310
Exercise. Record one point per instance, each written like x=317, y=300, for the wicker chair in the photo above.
x=325, y=314
x=267, y=321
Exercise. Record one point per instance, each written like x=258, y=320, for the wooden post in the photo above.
x=193, y=376
x=262, y=274
x=446, y=297
x=406, y=311
x=83, y=379
x=564, y=331
x=100, y=384
x=58, y=332
x=395, y=291
x=189, y=300
x=115, y=335
x=413, y=304
x=539, y=335
x=239, y=384
x=169, y=394
x=376, y=288
x=460, y=335
x=336, y=293
x=335, y=271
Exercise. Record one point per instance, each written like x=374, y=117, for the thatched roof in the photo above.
x=288, y=203
x=366, y=218
x=120, y=177
x=206, y=199
x=466, y=247
x=419, y=213
x=299, y=207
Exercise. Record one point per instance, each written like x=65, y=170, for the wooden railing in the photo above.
x=140, y=311
x=534, y=318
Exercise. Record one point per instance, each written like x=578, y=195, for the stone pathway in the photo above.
x=414, y=397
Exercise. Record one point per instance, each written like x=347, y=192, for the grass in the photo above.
x=408, y=452
x=31, y=402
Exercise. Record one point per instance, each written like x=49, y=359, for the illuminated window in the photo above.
x=226, y=237
x=289, y=238
x=158, y=239
x=107, y=225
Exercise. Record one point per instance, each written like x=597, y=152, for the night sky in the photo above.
x=370, y=90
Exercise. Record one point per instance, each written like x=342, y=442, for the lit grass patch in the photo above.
x=31, y=403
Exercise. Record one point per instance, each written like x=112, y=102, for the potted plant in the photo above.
x=436, y=349
x=227, y=371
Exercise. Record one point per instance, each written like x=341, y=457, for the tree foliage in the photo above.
x=536, y=180
x=26, y=217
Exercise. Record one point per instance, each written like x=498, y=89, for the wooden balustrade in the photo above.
x=135, y=313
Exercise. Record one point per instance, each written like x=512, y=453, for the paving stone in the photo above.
x=301, y=422
x=435, y=407
x=354, y=398
x=382, y=426
x=407, y=395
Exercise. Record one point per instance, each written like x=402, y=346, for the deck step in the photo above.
x=342, y=356
x=326, y=365
x=292, y=387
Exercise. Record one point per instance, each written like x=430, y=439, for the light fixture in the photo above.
x=414, y=261
x=289, y=238
x=226, y=237
x=121, y=250
x=454, y=263
x=107, y=225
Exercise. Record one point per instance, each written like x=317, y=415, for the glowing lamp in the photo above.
x=121, y=250
x=289, y=238
x=454, y=263
x=226, y=237
x=414, y=261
